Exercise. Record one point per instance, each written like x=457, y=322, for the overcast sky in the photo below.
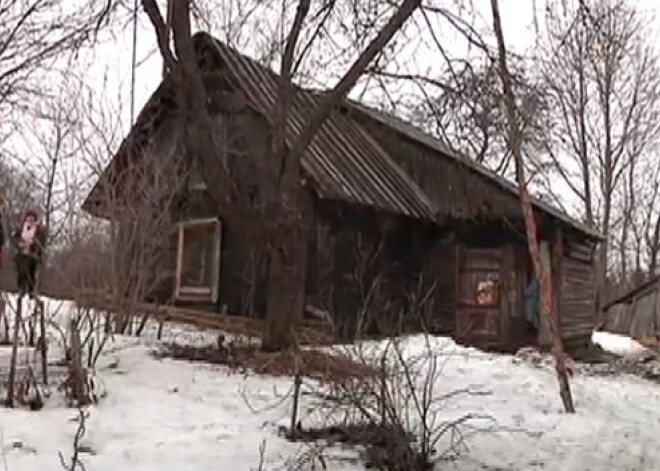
x=517, y=17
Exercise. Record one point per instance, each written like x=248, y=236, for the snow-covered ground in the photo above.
x=163, y=414
x=619, y=345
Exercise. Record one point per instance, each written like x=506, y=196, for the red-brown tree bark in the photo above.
x=548, y=306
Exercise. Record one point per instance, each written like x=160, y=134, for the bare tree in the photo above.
x=602, y=77
x=285, y=234
x=141, y=207
x=469, y=112
x=514, y=135
x=34, y=36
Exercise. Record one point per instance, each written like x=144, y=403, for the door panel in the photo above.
x=479, y=295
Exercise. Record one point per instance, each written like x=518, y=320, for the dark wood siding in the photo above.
x=440, y=268
x=446, y=181
x=577, y=301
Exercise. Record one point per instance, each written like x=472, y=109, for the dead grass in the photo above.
x=312, y=363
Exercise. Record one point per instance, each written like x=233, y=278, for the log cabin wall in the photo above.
x=440, y=268
x=461, y=194
x=397, y=258
x=376, y=274
x=577, y=302
x=244, y=143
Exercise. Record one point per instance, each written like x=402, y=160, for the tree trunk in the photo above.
x=76, y=371
x=655, y=248
x=43, y=348
x=286, y=291
x=582, y=129
x=603, y=255
x=288, y=258
x=542, y=272
x=11, y=379
x=286, y=236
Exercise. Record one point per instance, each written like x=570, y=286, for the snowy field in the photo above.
x=164, y=414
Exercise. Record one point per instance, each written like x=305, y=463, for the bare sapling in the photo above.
x=75, y=463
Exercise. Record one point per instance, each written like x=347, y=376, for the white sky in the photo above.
x=517, y=18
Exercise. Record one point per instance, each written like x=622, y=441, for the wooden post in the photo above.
x=44, y=342
x=31, y=328
x=9, y=401
x=76, y=379
x=4, y=320
x=458, y=261
x=297, y=381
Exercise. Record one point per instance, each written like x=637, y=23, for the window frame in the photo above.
x=195, y=293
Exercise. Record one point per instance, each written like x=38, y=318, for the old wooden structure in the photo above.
x=636, y=313
x=401, y=232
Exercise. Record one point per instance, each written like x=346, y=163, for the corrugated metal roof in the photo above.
x=420, y=136
x=343, y=160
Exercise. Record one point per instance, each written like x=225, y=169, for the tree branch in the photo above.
x=339, y=92
x=151, y=8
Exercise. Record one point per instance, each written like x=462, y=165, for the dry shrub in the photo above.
x=396, y=414
x=386, y=446
x=317, y=364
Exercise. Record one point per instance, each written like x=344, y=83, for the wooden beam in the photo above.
x=311, y=332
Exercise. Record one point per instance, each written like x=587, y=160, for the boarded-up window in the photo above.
x=198, y=261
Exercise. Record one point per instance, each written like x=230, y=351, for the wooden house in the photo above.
x=397, y=223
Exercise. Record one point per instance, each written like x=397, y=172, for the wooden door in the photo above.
x=479, y=292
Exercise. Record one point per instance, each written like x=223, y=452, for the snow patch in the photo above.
x=619, y=345
x=172, y=415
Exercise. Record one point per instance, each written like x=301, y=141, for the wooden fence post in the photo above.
x=44, y=342
x=9, y=401
x=76, y=373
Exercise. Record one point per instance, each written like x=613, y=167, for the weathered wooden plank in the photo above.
x=312, y=331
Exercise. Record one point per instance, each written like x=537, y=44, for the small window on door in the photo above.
x=479, y=289
x=488, y=293
x=198, y=260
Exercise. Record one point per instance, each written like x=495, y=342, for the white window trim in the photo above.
x=196, y=293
